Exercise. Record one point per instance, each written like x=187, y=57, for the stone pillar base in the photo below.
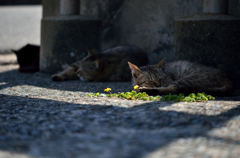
x=64, y=40
x=210, y=39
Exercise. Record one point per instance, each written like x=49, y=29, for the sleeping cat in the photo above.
x=111, y=65
x=180, y=77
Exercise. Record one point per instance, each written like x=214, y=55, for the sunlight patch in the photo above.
x=196, y=147
x=2, y=83
x=9, y=154
x=228, y=131
x=63, y=96
x=209, y=108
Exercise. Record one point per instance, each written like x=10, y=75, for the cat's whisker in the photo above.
x=81, y=78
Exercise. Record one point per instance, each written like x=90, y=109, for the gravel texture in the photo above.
x=46, y=119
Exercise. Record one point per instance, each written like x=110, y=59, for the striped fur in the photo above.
x=180, y=77
x=111, y=65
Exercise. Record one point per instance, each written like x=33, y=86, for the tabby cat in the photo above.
x=111, y=65
x=180, y=77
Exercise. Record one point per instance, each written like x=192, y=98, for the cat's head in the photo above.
x=28, y=58
x=27, y=55
x=150, y=76
x=90, y=67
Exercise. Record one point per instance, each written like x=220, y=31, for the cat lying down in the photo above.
x=180, y=77
x=111, y=65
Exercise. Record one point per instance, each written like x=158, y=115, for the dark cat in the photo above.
x=111, y=65
x=180, y=77
x=28, y=58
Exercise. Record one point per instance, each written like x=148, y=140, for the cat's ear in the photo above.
x=135, y=70
x=91, y=51
x=14, y=51
x=161, y=64
x=98, y=63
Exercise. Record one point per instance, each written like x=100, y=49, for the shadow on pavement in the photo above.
x=14, y=78
x=50, y=128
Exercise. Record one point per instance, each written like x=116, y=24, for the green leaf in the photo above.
x=192, y=95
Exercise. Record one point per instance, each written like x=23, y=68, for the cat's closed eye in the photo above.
x=140, y=84
x=149, y=84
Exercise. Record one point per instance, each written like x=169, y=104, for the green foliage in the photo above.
x=190, y=98
x=128, y=95
x=143, y=96
x=175, y=98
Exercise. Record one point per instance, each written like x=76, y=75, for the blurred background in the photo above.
x=146, y=24
x=19, y=2
x=19, y=23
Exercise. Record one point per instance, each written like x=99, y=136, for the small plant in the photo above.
x=143, y=96
x=190, y=98
x=108, y=90
x=136, y=87
x=128, y=95
x=175, y=98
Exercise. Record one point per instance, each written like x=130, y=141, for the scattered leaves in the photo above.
x=190, y=98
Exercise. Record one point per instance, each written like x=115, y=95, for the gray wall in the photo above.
x=50, y=8
x=144, y=23
x=147, y=24
x=234, y=7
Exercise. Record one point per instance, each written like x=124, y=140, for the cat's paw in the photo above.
x=149, y=91
x=140, y=89
x=56, y=78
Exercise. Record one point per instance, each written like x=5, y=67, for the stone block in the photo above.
x=210, y=39
x=50, y=8
x=64, y=40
